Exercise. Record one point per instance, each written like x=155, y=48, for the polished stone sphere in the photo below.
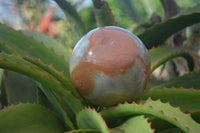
x=110, y=65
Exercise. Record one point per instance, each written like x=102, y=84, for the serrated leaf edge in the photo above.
x=179, y=52
x=93, y=109
x=170, y=119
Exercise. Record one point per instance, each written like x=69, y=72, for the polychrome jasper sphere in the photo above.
x=110, y=65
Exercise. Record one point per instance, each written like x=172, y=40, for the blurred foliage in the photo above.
x=88, y=14
x=135, y=15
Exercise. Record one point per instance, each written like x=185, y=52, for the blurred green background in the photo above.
x=130, y=14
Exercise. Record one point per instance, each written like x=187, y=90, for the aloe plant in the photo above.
x=44, y=98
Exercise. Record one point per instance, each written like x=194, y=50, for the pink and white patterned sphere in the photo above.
x=110, y=65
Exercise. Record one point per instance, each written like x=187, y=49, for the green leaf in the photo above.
x=196, y=116
x=88, y=16
x=60, y=76
x=13, y=62
x=160, y=55
x=77, y=25
x=191, y=80
x=49, y=42
x=163, y=126
x=172, y=130
x=160, y=125
x=18, y=59
x=156, y=108
x=29, y=118
x=27, y=46
x=5, y=48
x=90, y=119
x=157, y=34
x=3, y=94
x=130, y=10
x=17, y=64
x=103, y=13
x=137, y=124
x=186, y=99
x=84, y=131
x=57, y=107
x=43, y=100
x=19, y=88
x=40, y=66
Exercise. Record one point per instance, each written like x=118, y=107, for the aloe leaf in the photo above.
x=163, y=126
x=172, y=130
x=78, y=26
x=27, y=46
x=196, y=116
x=186, y=99
x=160, y=55
x=17, y=64
x=9, y=62
x=88, y=16
x=89, y=119
x=156, y=108
x=67, y=106
x=190, y=80
x=137, y=124
x=65, y=81
x=60, y=76
x=103, y=13
x=44, y=101
x=130, y=10
x=185, y=119
x=49, y=42
x=29, y=118
x=5, y=48
x=3, y=95
x=57, y=107
x=17, y=59
x=84, y=131
x=160, y=125
x=157, y=34
x=19, y=88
